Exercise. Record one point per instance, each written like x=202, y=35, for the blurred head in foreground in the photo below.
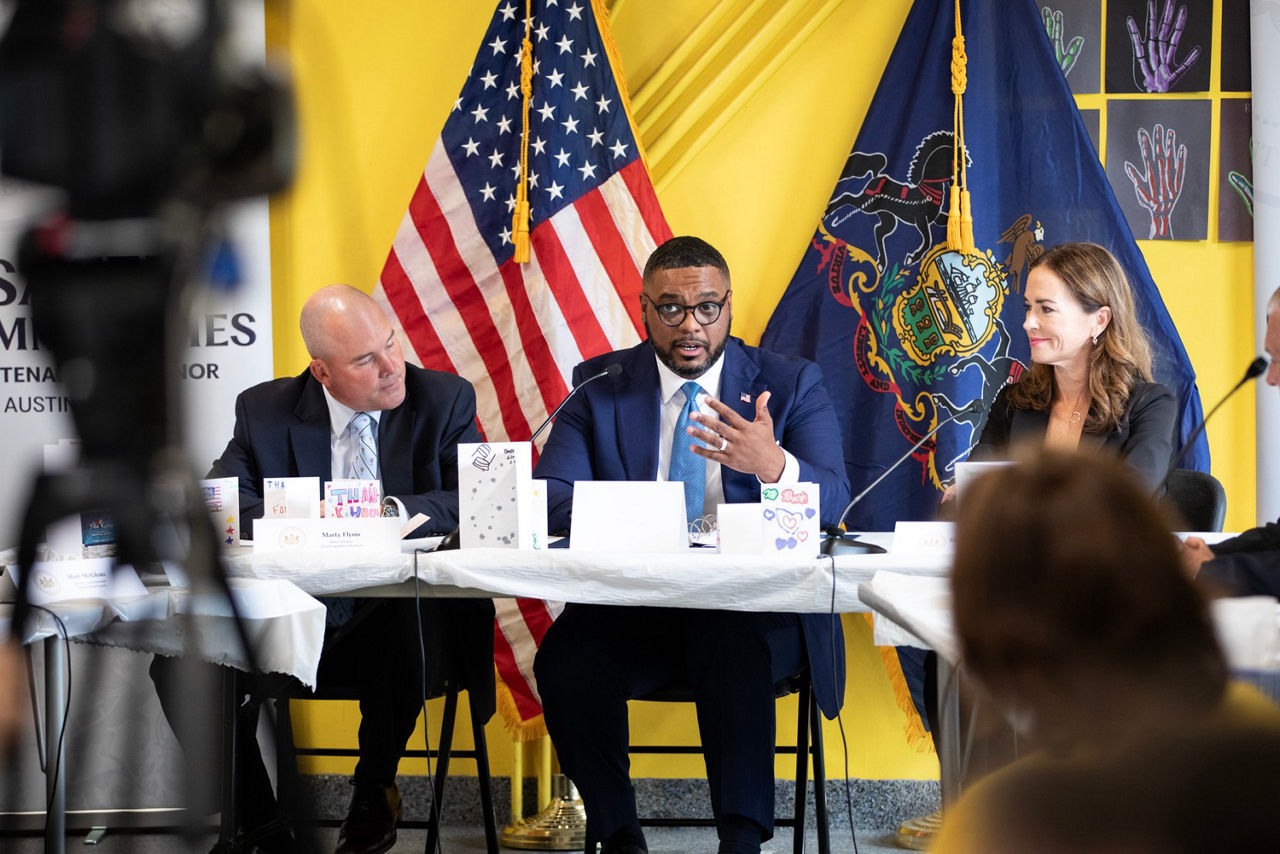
x=1071, y=607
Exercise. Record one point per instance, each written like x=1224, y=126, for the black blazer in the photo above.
x=1143, y=439
x=282, y=430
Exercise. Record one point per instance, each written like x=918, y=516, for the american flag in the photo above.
x=517, y=330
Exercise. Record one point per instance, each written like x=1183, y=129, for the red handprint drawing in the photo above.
x=1159, y=185
x=1154, y=52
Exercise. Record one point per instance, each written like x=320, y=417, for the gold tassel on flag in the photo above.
x=960, y=216
x=520, y=217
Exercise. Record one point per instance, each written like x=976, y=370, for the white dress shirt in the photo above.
x=344, y=438
x=671, y=402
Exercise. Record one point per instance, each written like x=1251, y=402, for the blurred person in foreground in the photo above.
x=1247, y=565
x=1075, y=619
x=1090, y=380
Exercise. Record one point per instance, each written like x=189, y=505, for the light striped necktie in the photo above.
x=363, y=466
x=685, y=464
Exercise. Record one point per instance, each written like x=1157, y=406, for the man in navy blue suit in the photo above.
x=358, y=396
x=758, y=418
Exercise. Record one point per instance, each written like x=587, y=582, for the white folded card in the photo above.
x=379, y=536
x=86, y=578
x=222, y=497
x=791, y=520
x=641, y=516
x=291, y=498
x=924, y=538
x=740, y=528
x=967, y=472
x=499, y=506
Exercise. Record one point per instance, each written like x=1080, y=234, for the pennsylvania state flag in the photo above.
x=905, y=336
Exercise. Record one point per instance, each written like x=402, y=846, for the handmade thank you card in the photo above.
x=497, y=499
x=222, y=497
x=791, y=522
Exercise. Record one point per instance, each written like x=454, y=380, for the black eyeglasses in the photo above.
x=674, y=313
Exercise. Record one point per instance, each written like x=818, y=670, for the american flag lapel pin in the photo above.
x=744, y=397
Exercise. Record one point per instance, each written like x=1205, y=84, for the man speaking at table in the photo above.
x=759, y=418
x=360, y=411
x=1248, y=564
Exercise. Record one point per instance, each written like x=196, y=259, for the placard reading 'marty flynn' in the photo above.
x=791, y=522
x=496, y=497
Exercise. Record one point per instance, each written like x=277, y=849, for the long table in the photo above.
x=698, y=578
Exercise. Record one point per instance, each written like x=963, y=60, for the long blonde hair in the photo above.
x=1122, y=356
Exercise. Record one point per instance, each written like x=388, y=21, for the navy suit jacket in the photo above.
x=282, y=430
x=609, y=431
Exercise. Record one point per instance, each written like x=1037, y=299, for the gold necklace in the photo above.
x=1077, y=414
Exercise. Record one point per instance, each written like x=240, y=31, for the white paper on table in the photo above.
x=82, y=578
x=912, y=609
x=930, y=538
x=740, y=528
x=639, y=516
x=1247, y=631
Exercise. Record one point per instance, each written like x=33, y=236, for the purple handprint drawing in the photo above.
x=1158, y=186
x=1155, y=51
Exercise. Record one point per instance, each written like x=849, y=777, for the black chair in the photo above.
x=1198, y=498
x=808, y=745
x=458, y=637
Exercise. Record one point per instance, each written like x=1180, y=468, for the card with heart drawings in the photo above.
x=791, y=522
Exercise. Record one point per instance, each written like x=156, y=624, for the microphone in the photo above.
x=837, y=542
x=453, y=539
x=609, y=371
x=1256, y=368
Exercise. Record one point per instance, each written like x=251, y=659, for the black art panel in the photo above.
x=1236, y=52
x=1235, y=171
x=1075, y=33
x=1158, y=166
x=1092, y=121
x=1159, y=45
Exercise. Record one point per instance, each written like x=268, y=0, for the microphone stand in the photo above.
x=841, y=542
x=1255, y=370
x=453, y=540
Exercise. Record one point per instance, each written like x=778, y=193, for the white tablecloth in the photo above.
x=694, y=579
x=284, y=625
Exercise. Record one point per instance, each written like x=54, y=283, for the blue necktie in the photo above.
x=685, y=464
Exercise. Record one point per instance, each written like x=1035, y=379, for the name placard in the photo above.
x=379, y=536
x=924, y=538
x=86, y=578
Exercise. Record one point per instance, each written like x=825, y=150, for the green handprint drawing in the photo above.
x=1242, y=185
x=1067, y=55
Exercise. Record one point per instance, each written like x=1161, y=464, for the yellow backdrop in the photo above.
x=747, y=110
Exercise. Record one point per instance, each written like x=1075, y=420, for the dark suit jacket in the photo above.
x=282, y=430
x=609, y=431
x=1144, y=439
x=1247, y=565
